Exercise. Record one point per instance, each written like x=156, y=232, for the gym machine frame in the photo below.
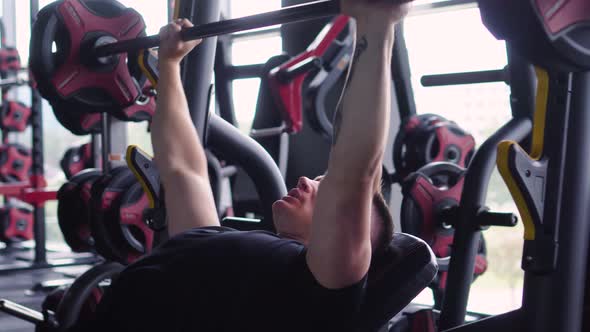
x=556, y=228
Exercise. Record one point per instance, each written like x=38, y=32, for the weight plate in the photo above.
x=72, y=212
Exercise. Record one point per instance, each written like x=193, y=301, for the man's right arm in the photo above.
x=179, y=154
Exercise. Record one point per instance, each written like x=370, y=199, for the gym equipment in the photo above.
x=554, y=36
x=16, y=223
x=73, y=211
x=427, y=138
x=76, y=159
x=71, y=307
x=129, y=224
x=70, y=116
x=78, y=123
x=9, y=60
x=331, y=52
x=87, y=62
x=476, y=77
x=15, y=116
x=387, y=291
x=431, y=194
x=15, y=163
x=71, y=74
x=117, y=217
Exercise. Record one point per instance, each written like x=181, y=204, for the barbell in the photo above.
x=86, y=51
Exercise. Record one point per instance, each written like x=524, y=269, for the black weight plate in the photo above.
x=71, y=163
x=132, y=238
x=94, y=196
x=72, y=212
x=404, y=167
x=79, y=120
x=77, y=159
x=50, y=47
x=106, y=193
x=41, y=65
x=440, y=175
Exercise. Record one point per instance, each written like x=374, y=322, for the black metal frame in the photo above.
x=402, y=77
x=467, y=231
x=198, y=66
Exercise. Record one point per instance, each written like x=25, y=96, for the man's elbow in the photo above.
x=175, y=173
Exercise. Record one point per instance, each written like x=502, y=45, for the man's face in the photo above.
x=293, y=213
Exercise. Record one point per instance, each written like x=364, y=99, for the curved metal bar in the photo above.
x=230, y=144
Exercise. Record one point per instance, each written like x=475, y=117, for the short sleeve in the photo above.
x=332, y=309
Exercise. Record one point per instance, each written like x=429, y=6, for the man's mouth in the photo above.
x=291, y=200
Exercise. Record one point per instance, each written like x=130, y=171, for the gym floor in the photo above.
x=25, y=287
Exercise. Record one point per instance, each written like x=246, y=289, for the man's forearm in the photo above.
x=175, y=140
x=362, y=122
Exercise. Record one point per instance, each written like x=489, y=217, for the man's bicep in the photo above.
x=340, y=247
x=189, y=203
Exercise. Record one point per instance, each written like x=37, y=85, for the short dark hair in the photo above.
x=387, y=227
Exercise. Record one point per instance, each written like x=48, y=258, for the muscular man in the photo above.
x=312, y=275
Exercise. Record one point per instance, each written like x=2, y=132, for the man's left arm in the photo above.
x=340, y=246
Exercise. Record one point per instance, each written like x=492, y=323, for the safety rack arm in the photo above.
x=476, y=77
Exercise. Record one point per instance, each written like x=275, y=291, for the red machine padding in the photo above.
x=287, y=80
x=15, y=116
x=16, y=224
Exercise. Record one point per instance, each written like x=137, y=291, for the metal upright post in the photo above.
x=96, y=150
x=467, y=232
x=198, y=66
x=106, y=143
x=400, y=68
x=114, y=143
x=38, y=170
x=553, y=299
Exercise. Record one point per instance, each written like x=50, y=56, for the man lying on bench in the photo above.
x=312, y=274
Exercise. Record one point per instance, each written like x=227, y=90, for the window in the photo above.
x=457, y=41
x=251, y=50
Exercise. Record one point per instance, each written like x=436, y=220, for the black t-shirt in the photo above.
x=218, y=279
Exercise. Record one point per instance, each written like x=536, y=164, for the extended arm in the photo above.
x=339, y=252
x=179, y=154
